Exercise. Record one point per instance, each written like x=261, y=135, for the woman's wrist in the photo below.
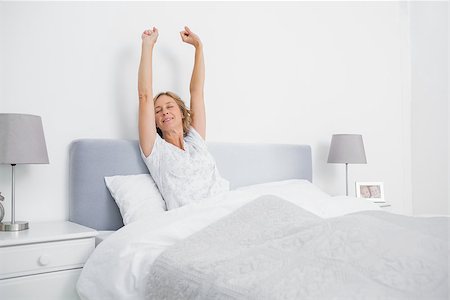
x=148, y=46
x=198, y=45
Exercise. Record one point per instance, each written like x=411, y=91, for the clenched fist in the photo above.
x=189, y=37
x=150, y=36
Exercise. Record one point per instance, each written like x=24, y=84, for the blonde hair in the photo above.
x=184, y=111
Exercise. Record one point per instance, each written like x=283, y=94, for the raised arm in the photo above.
x=147, y=127
x=197, y=82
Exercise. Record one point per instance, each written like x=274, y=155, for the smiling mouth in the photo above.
x=167, y=119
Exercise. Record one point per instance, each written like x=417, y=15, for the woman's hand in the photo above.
x=150, y=36
x=189, y=37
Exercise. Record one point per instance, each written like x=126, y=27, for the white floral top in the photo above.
x=185, y=176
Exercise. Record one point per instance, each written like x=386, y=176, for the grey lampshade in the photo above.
x=22, y=140
x=347, y=148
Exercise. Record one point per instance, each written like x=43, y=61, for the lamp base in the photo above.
x=16, y=226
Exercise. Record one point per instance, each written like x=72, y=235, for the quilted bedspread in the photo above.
x=273, y=249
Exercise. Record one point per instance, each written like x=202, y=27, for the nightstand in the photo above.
x=45, y=261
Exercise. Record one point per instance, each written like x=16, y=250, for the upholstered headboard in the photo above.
x=90, y=160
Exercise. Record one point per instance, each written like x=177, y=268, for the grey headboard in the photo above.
x=90, y=160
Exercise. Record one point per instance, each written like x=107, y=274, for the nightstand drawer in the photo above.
x=48, y=286
x=44, y=257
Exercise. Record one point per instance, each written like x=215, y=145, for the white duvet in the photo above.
x=119, y=266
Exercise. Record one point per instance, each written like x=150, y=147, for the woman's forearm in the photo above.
x=145, y=78
x=198, y=74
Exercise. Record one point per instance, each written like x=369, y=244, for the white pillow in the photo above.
x=137, y=196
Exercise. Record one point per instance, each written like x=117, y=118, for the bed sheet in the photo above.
x=102, y=235
x=119, y=266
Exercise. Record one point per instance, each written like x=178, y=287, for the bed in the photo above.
x=274, y=236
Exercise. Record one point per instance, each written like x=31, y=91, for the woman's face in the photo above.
x=168, y=114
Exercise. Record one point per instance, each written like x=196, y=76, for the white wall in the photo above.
x=429, y=61
x=281, y=73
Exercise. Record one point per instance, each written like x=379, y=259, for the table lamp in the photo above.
x=21, y=142
x=347, y=149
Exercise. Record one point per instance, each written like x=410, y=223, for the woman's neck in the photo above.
x=174, y=137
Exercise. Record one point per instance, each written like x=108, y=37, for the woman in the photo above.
x=171, y=137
